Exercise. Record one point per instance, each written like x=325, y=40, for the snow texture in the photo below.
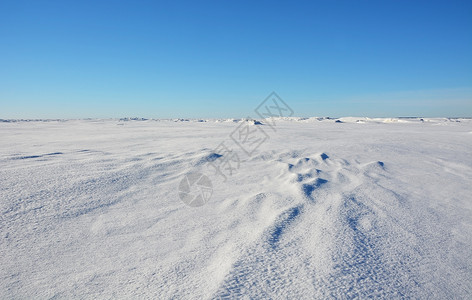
x=323, y=209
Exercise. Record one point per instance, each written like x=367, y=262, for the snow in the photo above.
x=365, y=207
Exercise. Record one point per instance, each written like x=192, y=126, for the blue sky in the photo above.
x=77, y=59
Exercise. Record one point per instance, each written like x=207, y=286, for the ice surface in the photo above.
x=323, y=209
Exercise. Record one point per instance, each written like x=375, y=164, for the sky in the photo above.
x=220, y=59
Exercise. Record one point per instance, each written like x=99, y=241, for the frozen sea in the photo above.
x=294, y=208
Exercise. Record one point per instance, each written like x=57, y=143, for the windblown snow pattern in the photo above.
x=323, y=208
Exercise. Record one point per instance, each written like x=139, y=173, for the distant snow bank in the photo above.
x=262, y=121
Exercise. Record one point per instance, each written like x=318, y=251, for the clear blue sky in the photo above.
x=74, y=59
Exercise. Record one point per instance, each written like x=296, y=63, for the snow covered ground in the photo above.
x=314, y=208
